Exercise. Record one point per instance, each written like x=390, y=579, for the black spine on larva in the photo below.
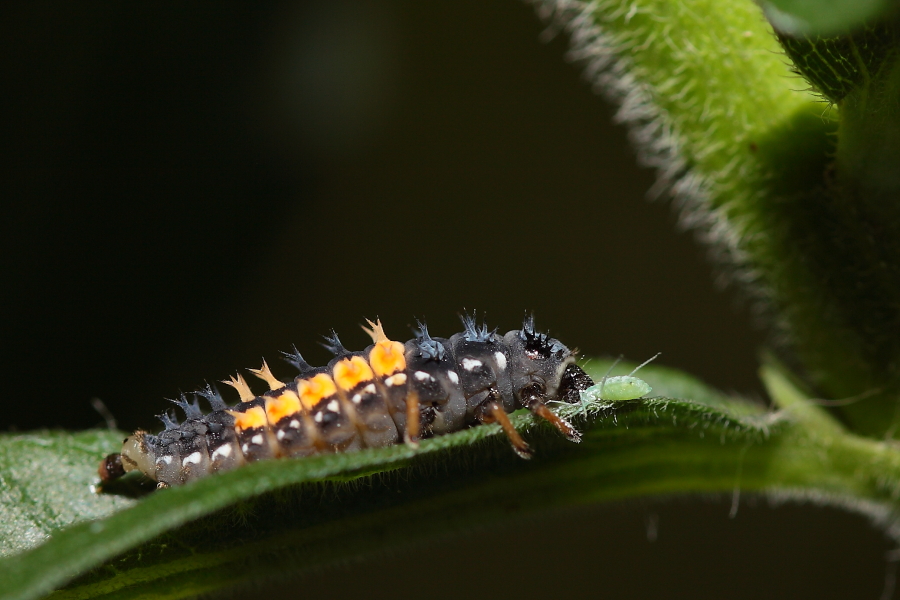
x=539, y=343
x=429, y=348
x=191, y=409
x=296, y=359
x=472, y=332
x=333, y=344
x=212, y=396
x=168, y=421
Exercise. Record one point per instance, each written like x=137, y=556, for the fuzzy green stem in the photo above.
x=869, y=138
x=801, y=211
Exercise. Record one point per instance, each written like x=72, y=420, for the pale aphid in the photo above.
x=620, y=387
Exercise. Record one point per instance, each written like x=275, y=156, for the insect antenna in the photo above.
x=107, y=415
x=645, y=363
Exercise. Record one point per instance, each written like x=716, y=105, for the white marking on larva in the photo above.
x=319, y=416
x=453, y=376
x=369, y=389
x=280, y=434
x=257, y=439
x=423, y=376
x=191, y=459
x=333, y=406
x=501, y=360
x=245, y=448
x=166, y=459
x=357, y=398
x=470, y=364
x=294, y=424
x=224, y=451
x=398, y=379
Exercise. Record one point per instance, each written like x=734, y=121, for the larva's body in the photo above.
x=388, y=393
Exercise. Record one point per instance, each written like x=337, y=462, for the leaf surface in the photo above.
x=281, y=517
x=823, y=17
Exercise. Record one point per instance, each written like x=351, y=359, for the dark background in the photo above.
x=189, y=187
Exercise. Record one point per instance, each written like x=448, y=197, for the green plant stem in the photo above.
x=869, y=136
x=800, y=209
x=845, y=232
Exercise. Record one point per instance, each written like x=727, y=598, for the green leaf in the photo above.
x=838, y=66
x=257, y=522
x=823, y=17
x=45, y=484
x=786, y=392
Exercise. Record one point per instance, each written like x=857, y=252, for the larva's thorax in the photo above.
x=433, y=378
x=389, y=393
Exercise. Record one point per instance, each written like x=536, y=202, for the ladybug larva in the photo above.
x=388, y=393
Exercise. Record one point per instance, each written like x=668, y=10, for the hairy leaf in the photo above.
x=811, y=17
x=45, y=484
x=839, y=65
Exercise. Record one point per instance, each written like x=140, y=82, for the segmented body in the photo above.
x=386, y=394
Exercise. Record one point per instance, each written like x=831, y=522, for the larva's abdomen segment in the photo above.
x=364, y=398
x=381, y=396
x=252, y=431
x=293, y=431
x=481, y=368
x=434, y=380
x=330, y=417
x=388, y=361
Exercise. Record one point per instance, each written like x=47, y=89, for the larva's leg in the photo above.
x=533, y=400
x=492, y=412
x=413, y=420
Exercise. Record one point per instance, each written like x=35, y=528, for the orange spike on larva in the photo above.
x=376, y=332
x=265, y=373
x=241, y=386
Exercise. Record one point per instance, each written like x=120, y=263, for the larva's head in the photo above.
x=573, y=381
x=545, y=361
